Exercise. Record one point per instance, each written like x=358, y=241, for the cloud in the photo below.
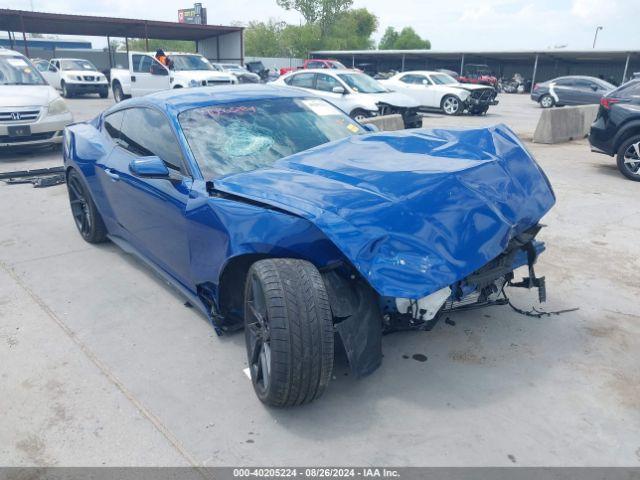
x=593, y=9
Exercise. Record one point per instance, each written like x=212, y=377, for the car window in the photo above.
x=146, y=132
x=41, y=65
x=326, y=82
x=52, y=68
x=17, y=70
x=412, y=79
x=628, y=90
x=316, y=65
x=142, y=63
x=113, y=123
x=565, y=82
x=303, y=80
x=583, y=84
x=244, y=136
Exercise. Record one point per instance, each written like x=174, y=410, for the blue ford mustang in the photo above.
x=274, y=211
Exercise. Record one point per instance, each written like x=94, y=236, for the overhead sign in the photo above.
x=196, y=15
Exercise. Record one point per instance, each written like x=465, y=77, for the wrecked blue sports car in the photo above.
x=274, y=211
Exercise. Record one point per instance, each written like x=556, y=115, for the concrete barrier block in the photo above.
x=387, y=122
x=563, y=124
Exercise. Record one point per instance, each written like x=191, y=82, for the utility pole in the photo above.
x=595, y=37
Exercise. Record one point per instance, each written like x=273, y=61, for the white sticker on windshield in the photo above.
x=17, y=62
x=320, y=107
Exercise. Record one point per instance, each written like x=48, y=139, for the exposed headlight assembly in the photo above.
x=57, y=106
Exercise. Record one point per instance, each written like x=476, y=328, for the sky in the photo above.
x=449, y=25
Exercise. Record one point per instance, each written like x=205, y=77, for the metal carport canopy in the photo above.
x=63, y=24
x=568, y=55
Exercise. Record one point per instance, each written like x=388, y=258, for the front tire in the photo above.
x=628, y=158
x=451, y=105
x=118, y=94
x=359, y=115
x=288, y=331
x=66, y=93
x=547, y=101
x=84, y=211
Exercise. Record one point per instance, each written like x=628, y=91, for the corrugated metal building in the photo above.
x=535, y=65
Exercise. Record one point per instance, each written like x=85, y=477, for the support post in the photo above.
x=402, y=68
x=535, y=70
x=462, y=65
x=126, y=44
x=353, y=61
x=146, y=37
x=10, y=40
x=109, y=50
x=626, y=68
x=24, y=37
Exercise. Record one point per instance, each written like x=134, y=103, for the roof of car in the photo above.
x=326, y=70
x=423, y=72
x=6, y=51
x=182, y=99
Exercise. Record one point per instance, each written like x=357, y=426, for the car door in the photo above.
x=324, y=87
x=590, y=91
x=148, y=75
x=150, y=212
x=418, y=87
x=565, y=91
x=54, y=75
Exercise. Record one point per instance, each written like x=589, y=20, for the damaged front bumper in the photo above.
x=482, y=288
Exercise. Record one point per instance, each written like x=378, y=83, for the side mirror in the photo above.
x=149, y=167
x=370, y=127
x=339, y=90
x=157, y=69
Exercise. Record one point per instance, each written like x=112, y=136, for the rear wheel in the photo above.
x=547, y=101
x=451, y=105
x=628, y=158
x=86, y=216
x=288, y=331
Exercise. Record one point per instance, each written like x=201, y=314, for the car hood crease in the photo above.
x=413, y=211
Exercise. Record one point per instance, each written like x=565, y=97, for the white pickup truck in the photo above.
x=147, y=75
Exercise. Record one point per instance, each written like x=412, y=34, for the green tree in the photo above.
x=298, y=41
x=389, y=39
x=321, y=12
x=264, y=39
x=407, y=39
x=352, y=30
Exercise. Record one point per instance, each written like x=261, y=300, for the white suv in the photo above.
x=31, y=111
x=73, y=76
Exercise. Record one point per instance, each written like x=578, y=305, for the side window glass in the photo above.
x=304, y=80
x=315, y=65
x=52, y=68
x=146, y=132
x=141, y=63
x=113, y=123
x=407, y=79
x=326, y=83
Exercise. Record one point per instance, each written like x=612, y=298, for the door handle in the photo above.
x=114, y=176
x=133, y=78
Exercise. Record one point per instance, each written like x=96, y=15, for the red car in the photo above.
x=314, y=63
x=478, y=73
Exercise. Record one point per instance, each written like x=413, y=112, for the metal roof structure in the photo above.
x=624, y=60
x=63, y=24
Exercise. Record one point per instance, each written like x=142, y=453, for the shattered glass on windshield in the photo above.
x=246, y=136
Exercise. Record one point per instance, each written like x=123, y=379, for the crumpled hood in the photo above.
x=472, y=86
x=414, y=211
x=27, y=95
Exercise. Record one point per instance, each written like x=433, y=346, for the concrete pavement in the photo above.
x=102, y=364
